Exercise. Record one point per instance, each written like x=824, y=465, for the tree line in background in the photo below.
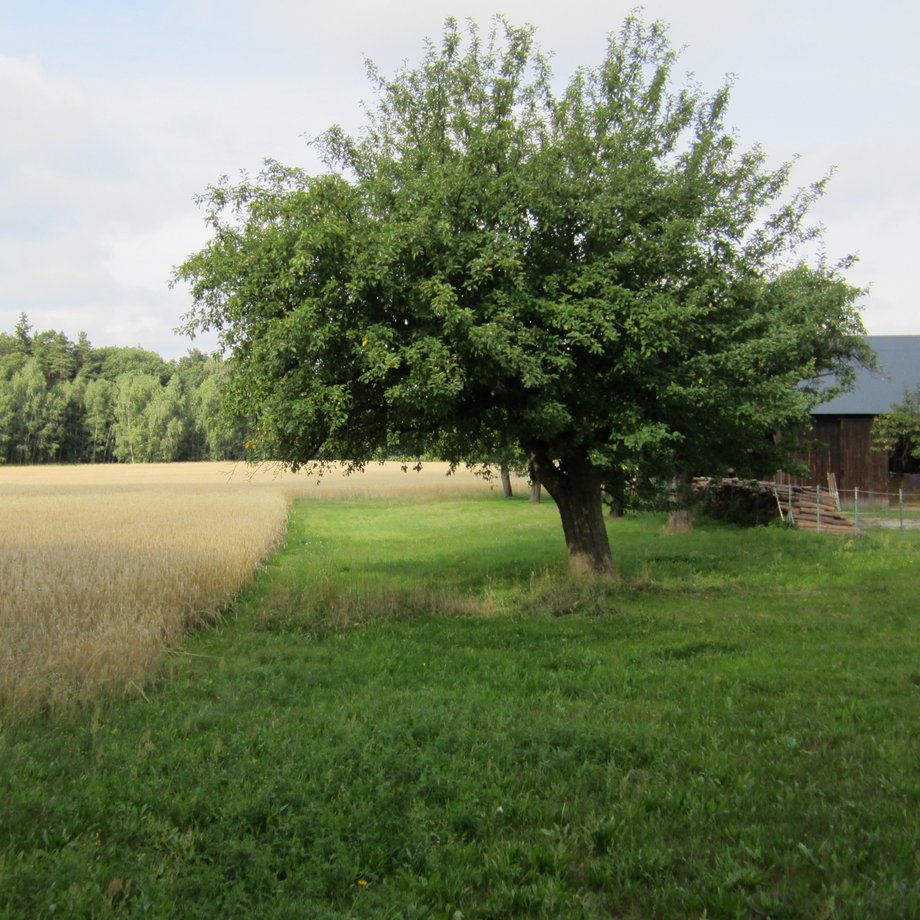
x=68, y=402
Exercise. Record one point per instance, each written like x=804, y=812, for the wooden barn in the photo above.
x=841, y=437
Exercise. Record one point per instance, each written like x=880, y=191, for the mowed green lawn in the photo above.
x=414, y=713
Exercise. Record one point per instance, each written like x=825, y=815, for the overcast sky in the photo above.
x=113, y=115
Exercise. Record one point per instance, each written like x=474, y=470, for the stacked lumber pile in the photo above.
x=810, y=509
x=798, y=505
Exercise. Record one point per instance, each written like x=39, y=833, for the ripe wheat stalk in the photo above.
x=95, y=588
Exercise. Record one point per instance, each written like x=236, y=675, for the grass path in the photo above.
x=413, y=713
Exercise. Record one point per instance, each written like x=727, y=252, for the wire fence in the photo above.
x=827, y=509
x=883, y=509
x=898, y=510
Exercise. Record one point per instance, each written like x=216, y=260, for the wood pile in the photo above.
x=810, y=510
x=803, y=506
x=736, y=500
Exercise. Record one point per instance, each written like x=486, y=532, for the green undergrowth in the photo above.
x=413, y=712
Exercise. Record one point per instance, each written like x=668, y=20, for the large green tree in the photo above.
x=601, y=278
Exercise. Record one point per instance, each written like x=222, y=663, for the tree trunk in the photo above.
x=536, y=489
x=680, y=517
x=575, y=485
x=680, y=520
x=506, y=481
x=616, y=503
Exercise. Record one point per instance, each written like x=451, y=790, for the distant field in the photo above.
x=379, y=480
x=103, y=567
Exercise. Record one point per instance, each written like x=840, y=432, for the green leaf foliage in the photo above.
x=897, y=432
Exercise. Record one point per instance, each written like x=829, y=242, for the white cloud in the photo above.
x=63, y=268
x=145, y=258
x=40, y=114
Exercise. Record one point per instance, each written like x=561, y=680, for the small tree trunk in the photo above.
x=616, y=504
x=680, y=517
x=575, y=486
x=506, y=481
x=536, y=489
x=680, y=520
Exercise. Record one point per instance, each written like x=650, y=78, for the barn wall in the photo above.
x=845, y=449
x=861, y=465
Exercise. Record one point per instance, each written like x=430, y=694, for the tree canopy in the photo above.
x=601, y=278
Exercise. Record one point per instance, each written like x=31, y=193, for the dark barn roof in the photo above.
x=877, y=391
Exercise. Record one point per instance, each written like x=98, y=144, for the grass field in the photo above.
x=413, y=712
x=103, y=567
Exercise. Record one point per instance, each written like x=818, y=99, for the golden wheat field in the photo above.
x=103, y=568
